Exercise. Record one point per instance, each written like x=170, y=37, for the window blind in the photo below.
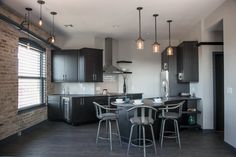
x=31, y=76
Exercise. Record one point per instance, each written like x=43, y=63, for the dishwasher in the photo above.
x=66, y=109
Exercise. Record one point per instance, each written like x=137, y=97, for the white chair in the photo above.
x=107, y=115
x=171, y=112
x=142, y=116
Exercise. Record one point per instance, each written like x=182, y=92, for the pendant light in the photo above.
x=28, y=25
x=52, y=37
x=170, y=50
x=156, y=45
x=139, y=41
x=41, y=2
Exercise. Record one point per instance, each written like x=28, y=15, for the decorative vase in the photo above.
x=191, y=120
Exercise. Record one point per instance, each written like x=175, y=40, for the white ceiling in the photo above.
x=98, y=17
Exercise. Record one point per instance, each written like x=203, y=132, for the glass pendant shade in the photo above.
x=140, y=43
x=40, y=22
x=170, y=51
x=156, y=47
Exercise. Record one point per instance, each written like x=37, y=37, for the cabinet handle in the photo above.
x=65, y=77
x=95, y=77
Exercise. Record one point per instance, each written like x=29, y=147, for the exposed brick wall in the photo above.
x=11, y=120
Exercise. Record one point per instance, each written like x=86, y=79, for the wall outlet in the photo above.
x=230, y=90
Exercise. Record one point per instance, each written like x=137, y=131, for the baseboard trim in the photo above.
x=208, y=130
x=13, y=137
x=232, y=148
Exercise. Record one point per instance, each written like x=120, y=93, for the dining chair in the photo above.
x=142, y=116
x=171, y=112
x=106, y=114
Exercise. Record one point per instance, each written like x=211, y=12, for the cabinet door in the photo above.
x=57, y=66
x=79, y=112
x=55, y=110
x=98, y=67
x=187, y=62
x=91, y=65
x=71, y=65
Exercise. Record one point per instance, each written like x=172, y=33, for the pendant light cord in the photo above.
x=155, y=29
x=139, y=23
x=28, y=23
x=169, y=34
x=53, y=25
x=40, y=11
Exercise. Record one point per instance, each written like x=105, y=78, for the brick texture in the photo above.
x=9, y=117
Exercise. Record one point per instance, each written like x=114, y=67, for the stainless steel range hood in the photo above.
x=109, y=68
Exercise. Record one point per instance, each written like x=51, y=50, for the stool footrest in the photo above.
x=139, y=143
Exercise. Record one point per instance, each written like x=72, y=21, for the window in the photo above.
x=31, y=75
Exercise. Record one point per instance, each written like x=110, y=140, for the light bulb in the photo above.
x=52, y=39
x=170, y=51
x=28, y=46
x=40, y=22
x=156, y=47
x=140, y=43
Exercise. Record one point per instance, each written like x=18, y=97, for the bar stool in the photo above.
x=171, y=112
x=105, y=114
x=142, y=116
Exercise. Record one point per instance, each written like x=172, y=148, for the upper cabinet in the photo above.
x=187, y=61
x=91, y=65
x=65, y=66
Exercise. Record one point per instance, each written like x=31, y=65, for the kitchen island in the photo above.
x=190, y=108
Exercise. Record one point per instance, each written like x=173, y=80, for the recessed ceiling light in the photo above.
x=68, y=26
x=115, y=26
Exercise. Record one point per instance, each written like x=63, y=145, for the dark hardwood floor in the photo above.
x=56, y=139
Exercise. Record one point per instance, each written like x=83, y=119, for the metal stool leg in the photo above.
x=176, y=134
x=162, y=131
x=118, y=131
x=130, y=138
x=98, y=131
x=144, y=142
x=177, y=129
x=162, y=120
x=110, y=137
x=153, y=138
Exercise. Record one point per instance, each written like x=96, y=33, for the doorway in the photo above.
x=218, y=88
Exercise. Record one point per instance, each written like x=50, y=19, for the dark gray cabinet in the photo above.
x=170, y=63
x=55, y=108
x=65, y=66
x=91, y=65
x=187, y=61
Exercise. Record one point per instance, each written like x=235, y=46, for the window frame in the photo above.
x=42, y=51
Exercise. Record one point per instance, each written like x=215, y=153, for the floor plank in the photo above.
x=62, y=140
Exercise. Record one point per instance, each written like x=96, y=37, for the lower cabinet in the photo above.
x=78, y=110
x=83, y=109
x=55, y=108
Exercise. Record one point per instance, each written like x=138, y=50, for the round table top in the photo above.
x=148, y=102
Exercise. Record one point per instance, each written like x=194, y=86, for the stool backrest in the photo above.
x=178, y=107
x=142, y=112
x=99, y=108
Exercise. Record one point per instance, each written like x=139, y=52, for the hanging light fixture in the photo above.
x=140, y=41
x=28, y=25
x=156, y=45
x=41, y=2
x=170, y=50
x=52, y=39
